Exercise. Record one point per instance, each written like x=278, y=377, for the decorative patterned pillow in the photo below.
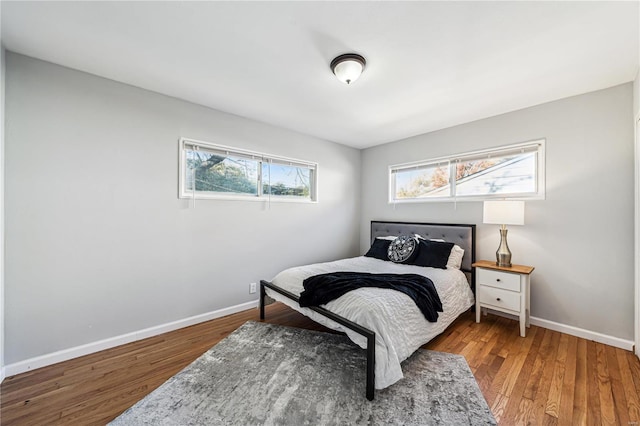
x=402, y=249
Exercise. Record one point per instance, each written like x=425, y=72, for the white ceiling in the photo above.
x=430, y=65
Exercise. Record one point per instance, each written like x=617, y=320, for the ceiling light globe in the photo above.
x=348, y=67
x=348, y=71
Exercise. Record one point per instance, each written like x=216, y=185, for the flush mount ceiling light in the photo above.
x=348, y=67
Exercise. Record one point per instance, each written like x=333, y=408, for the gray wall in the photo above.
x=636, y=96
x=636, y=116
x=580, y=239
x=97, y=242
x=2, y=299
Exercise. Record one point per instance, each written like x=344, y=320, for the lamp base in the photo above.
x=503, y=254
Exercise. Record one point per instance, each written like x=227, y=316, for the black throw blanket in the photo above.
x=323, y=288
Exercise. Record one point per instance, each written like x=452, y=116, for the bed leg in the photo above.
x=371, y=364
x=262, y=294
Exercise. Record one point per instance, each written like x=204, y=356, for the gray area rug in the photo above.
x=275, y=375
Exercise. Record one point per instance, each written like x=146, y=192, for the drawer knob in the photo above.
x=498, y=279
x=498, y=299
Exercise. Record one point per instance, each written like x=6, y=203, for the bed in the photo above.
x=386, y=323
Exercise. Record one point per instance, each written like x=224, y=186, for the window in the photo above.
x=286, y=179
x=515, y=171
x=215, y=171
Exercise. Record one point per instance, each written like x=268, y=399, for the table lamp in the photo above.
x=503, y=213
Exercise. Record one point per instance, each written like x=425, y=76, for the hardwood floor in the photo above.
x=545, y=378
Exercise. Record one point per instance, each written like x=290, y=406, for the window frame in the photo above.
x=537, y=146
x=261, y=158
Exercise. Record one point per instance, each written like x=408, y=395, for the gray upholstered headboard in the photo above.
x=462, y=235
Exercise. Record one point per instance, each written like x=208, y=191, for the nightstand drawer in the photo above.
x=500, y=298
x=498, y=279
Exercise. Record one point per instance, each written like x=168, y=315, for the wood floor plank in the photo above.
x=515, y=374
x=548, y=354
x=607, y=406
x=594, y=415
x=469, y=349
x=533, y=381
x=524, y=414
x=565, y=412
x=555, y=392
x=581, y=394
x=634, y=367
x=617, y=389
x=485, y=376
x=498, y=407
x=487, y=343
x=630, y=392
x=549, y=420
x=510, y=336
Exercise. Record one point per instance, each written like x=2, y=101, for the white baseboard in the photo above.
x=2, y=374
x=89, y=348
x=575, y=331
x=585, y=334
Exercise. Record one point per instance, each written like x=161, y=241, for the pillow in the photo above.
x=433, y=254
x=455, y=258
x=403, y=249
x=379, y=249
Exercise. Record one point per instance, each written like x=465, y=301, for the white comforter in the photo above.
x=399, y=325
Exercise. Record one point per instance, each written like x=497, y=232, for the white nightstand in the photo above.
x=505, y=289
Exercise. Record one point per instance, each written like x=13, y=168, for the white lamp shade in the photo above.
x=504, y=212
x=348, y=71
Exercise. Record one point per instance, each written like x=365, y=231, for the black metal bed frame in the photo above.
x=368, y=334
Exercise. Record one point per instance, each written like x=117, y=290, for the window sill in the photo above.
x=467, y=199
x=246, y=198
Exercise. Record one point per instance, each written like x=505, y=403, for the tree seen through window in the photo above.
x=229, y=174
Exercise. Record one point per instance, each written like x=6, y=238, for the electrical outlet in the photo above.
x=252, y=288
